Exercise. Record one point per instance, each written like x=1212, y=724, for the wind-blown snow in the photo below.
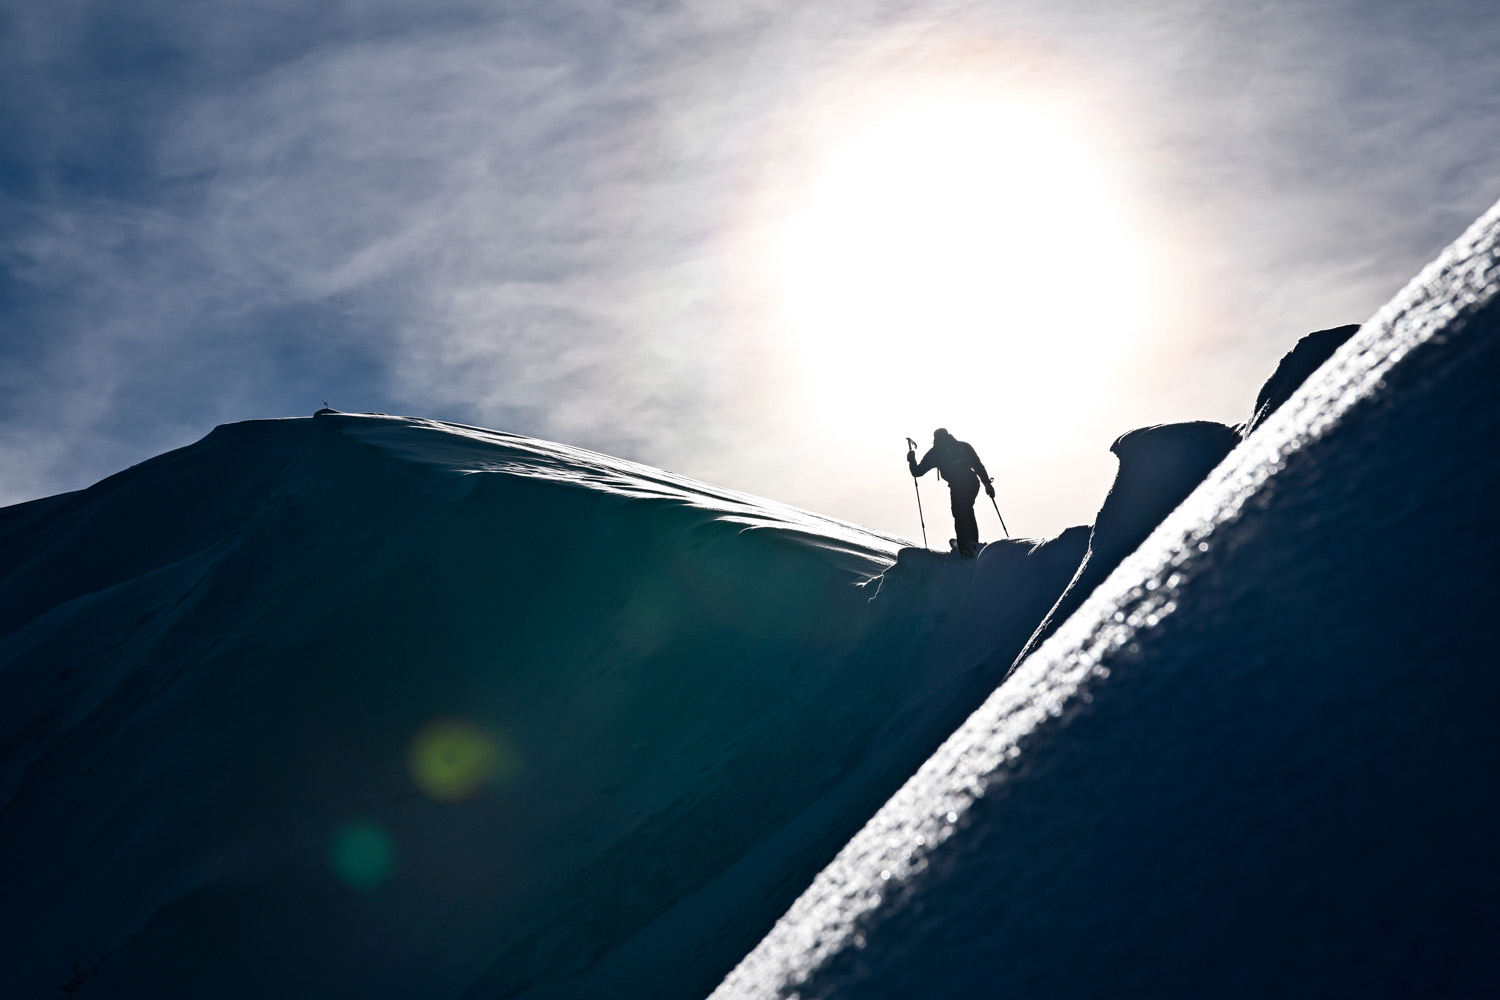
x=1258, y=759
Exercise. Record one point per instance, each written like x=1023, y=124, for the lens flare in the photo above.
x=363, y=855
x=451, y=759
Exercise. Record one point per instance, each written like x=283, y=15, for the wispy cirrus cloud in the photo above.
x=463, y=210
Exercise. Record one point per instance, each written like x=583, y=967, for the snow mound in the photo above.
x=1309, y=354
x=358, y=705
x=1258, y=759
x=1159, y=467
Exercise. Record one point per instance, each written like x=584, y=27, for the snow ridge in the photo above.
x=817, y=949
x=218, y=667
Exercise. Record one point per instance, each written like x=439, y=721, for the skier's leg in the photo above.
x=968, y=530
x=964, y=524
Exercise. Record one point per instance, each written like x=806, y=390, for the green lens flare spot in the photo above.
x=363, y=855
x=450, y=760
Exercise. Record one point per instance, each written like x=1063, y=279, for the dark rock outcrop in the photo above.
x=1159, y=467
x=1293, y=369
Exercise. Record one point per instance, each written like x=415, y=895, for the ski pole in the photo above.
x=912, y=445
x=1002, y=520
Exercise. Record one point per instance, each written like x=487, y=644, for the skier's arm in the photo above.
x=984, y=477
x=918, y=468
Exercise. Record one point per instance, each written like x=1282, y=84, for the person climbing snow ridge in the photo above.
x=958, y=463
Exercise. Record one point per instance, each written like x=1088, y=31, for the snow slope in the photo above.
x=358, y=705
x=1258, y=760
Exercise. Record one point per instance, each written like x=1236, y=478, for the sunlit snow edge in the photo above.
x=1141, y=592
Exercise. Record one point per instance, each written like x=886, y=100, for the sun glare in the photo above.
x=953, y=254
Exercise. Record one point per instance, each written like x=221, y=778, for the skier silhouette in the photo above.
x=957, y=462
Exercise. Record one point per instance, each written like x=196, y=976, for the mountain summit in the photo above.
x=377, y=706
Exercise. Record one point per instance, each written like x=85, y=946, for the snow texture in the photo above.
x=218, y=670
x=1258, y=760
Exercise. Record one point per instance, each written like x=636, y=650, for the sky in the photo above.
x=756, y=242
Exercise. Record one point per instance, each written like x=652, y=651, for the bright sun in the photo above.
x=953, y=254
